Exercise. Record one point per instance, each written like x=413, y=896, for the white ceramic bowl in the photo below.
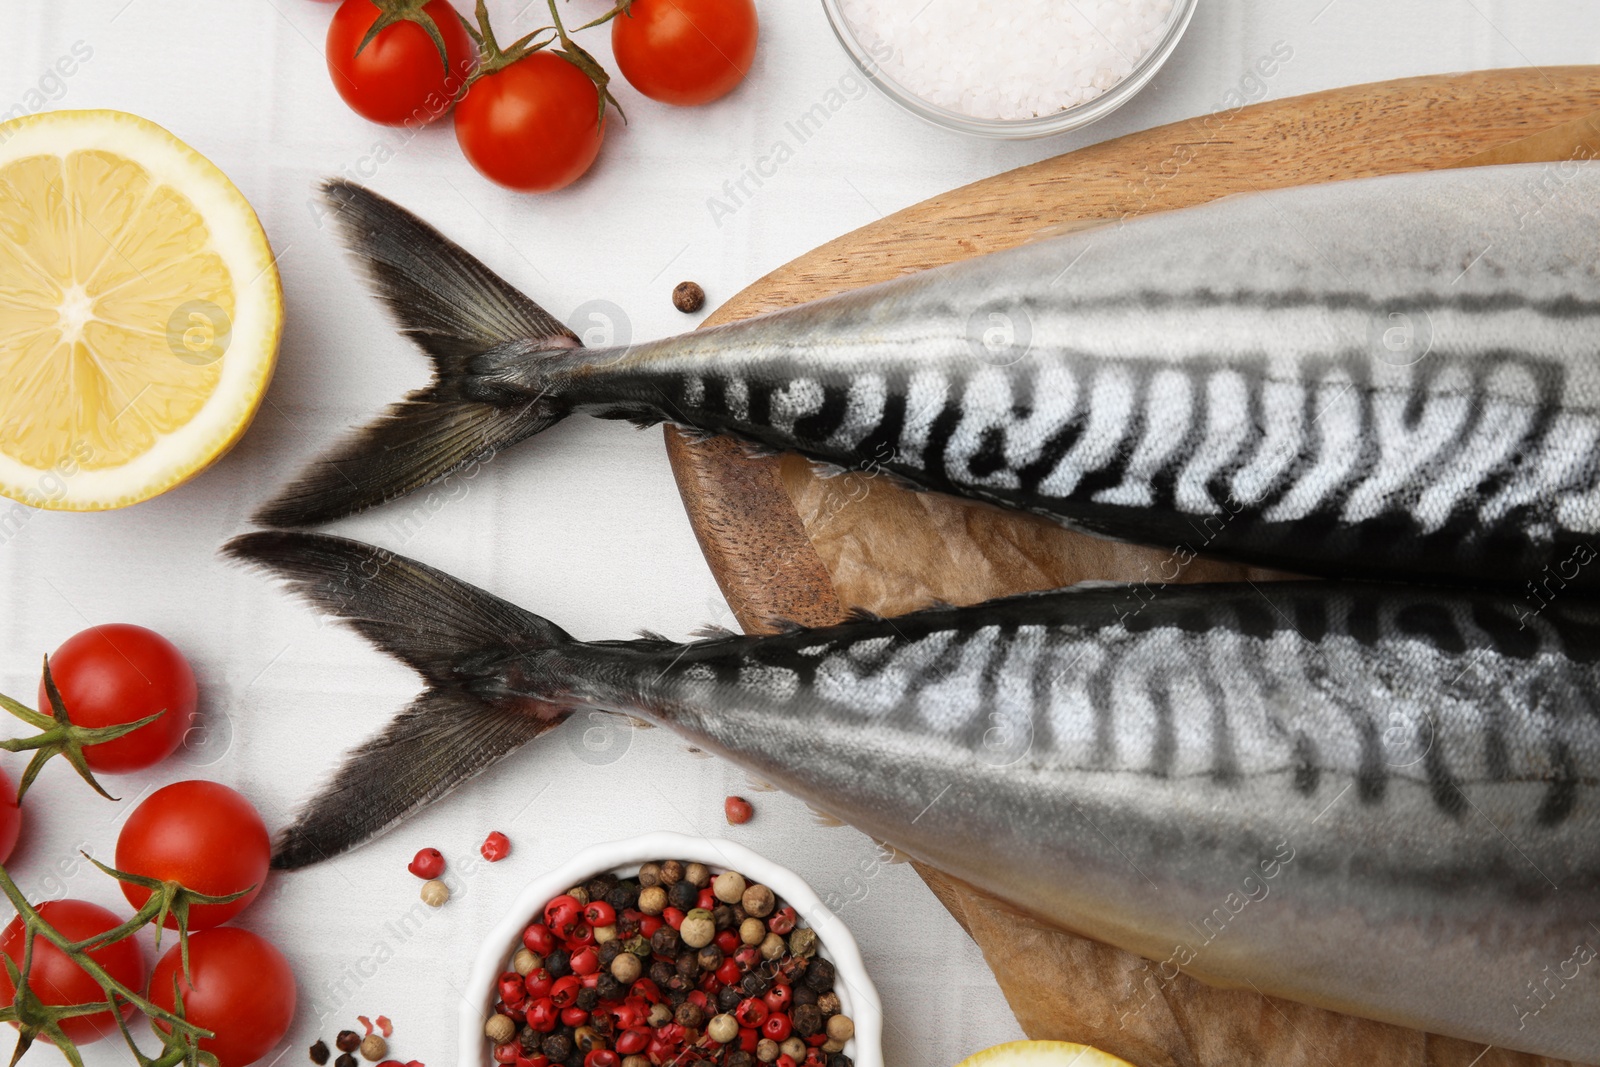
x=858, y=998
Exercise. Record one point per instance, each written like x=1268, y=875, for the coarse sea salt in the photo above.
x=1007, y=59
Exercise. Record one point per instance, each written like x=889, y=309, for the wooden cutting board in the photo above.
x=784, y=544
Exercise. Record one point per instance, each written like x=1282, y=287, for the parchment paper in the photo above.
x=892, y=551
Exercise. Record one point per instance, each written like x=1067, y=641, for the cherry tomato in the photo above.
x=243, y=992
x=110, y=675
x=10, y=817
x=398, y=79
x=533, y=126
x=56, y=980
x=685, y=52
x=202, y=835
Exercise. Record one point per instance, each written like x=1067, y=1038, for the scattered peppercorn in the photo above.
x=427, y=864
x=347, y=1041
x=320, y=1053
x=500, y=1029
x=345, y=1060
x=738, y=811
x=683, y=896
x=374, y=1048
x=688, y=297
x=819, y=975
x=435, y=893
x=495, y=847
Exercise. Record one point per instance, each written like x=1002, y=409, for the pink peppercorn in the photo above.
x=495, y=847
x=427, y=864
x=737, y=810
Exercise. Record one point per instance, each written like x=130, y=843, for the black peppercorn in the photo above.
x=802, y=995
x=728, y=998
x=347, y=1041
x=807, y=1020
x=839, y=1059
x=662, y=973
x=608, y=988
x=690, y=1015
x=664, y=943
x=623, y=897
x=676, y=998
x=601, y=885
x=345, y=1060
x=710, y=958
x=627, y=929
x=819, y=975
x=556, y=1046
x=755, y=984
x=722, y=915
x=741, y=1058
x=558, y=963
x=529, y=1039
x=577, y=1059
x=689, y=966
x=688, y=297
x=610, y=951
x=588, y=999
x=319, y=1052
x=683, y=896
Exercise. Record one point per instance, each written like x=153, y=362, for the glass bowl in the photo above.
x=1061, y=121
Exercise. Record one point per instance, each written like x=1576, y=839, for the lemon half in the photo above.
x=1042, y=1054
x=140, y=311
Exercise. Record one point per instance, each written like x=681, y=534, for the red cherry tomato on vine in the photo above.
x=243, y=992
x=398, y=79
x=533, y=126
x=203, y=835
x=56, y=980
x=10, y=818
x=685, y=52
x=110, y=675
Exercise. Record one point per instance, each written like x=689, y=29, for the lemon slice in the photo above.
x=1042, y=1054
x=140, y=311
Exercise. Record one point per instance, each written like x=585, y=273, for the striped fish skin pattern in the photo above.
x=1391, y=378
x=1376, y=800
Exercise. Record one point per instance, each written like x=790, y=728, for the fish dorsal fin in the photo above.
x=651, y=635
x=713, y=631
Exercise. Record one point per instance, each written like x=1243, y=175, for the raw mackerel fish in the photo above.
x=1393, y=378
x=1374, y=799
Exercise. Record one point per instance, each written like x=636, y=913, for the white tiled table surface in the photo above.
x=585, y=524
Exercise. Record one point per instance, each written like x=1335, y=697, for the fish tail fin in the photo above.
x=471, y=323
x=458, y=637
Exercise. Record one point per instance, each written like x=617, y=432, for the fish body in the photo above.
x=1378, y=800
x=1389, y=378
